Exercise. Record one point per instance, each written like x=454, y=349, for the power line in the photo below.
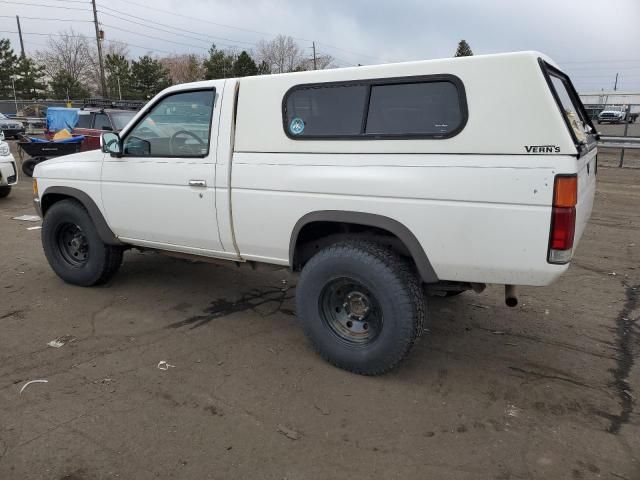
x=44, y=5
x=152, y=22
x=53, y=19
x=208, y=22
x=155, y=38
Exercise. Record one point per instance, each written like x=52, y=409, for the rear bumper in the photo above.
x=12, y=132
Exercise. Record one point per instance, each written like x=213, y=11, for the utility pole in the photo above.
x=315, y=61
x=103, y=81
x=119, y=90
x=20, y=35
x=615, y=85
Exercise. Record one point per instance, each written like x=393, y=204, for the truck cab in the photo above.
x=377, y=184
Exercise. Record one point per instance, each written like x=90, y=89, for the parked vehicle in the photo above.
x=617, y=114
x=10, y=128
x=96, y=118
x=376, y=183
x=8, y=168
x=40, y=150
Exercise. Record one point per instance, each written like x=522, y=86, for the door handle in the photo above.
x=197, y=183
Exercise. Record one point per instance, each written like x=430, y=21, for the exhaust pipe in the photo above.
x=510, y=295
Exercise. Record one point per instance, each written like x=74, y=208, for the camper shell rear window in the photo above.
x=573, y=112
x=431, y=106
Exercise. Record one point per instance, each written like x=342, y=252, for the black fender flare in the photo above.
x=425, y=269
x=106, y=234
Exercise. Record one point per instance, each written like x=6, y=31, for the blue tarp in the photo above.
x=77, y=139
x=59, y=118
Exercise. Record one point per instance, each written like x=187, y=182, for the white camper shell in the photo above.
x=375, y=182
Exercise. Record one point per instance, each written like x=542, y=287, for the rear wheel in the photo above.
x=361, y=306
x=74, y=248
x=5, y=191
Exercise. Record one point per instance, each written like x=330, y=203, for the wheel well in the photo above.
x=51, y=198
x=55, y=194
x=317, y=235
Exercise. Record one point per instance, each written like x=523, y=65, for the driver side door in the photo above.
x=161, y=191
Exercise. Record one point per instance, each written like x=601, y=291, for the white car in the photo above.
x=8, y=168
x=377, y=183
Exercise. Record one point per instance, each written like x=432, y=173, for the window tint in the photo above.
x=433, y=107
x=178, y=126
x=326, y=111
x=429, y=108
x=102, y=122
x=84, y=121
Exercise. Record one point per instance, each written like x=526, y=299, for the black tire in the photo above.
x=28, y=166
x=393, y=294
x=74, y=248
x=5, y=191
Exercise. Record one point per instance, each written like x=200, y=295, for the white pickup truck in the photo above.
x=379, y=184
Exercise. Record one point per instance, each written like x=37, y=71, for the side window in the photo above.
x=177, y=126
x=428, y=108
x=84, y=121
x=101, y=122
x=420, y=107
x=326, y=111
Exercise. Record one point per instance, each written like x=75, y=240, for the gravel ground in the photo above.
x=547, y=390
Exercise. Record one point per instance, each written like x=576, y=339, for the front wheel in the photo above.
x=5, y=191
x=361, y=306
x=74, y=248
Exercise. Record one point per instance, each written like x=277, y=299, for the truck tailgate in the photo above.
x=587, y=169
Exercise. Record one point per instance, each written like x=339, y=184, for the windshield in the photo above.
x=613, y=109
x=121, y=119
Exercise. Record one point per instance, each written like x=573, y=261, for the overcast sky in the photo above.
x=592, y=40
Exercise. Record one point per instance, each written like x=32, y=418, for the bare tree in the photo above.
x=184, y=68
x=282, y=54
x=114, y=48
x=68, y=52
x=322, y=63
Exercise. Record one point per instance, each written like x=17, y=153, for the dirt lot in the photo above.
x=548, y=390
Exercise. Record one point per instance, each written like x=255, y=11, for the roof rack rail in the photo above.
x=107, y=103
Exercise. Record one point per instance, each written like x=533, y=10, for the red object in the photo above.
x=563, y=227
x=563, y=218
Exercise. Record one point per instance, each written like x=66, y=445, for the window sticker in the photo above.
x=297, y=126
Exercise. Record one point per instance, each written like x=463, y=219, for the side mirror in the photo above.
x=110, y=143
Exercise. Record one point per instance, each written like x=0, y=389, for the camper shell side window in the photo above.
x=432, y=106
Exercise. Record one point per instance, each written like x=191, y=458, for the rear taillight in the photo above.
x=563, y=218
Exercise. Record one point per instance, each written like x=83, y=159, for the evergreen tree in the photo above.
x=464, y=50
x=148, y=77
x=8, y=65
x=118, y=73
x=29, y=79
x=64, y=86
x=218, y=65
x=244, y=66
